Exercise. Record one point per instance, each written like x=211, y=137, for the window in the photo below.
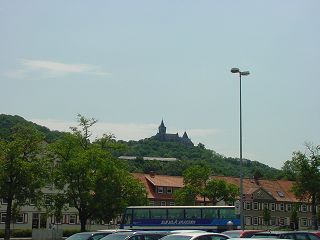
x=141, y=214
x=303, y=208
x=272, y=207
x=151, y=203
x=163, y=203
x=192, y=213
x=72, y=219
x=32, y=202
x=281, y=194
x=226, y=213
x=171, y=203
x=158, y=213
x=248, y=205
x=58, y=220
x=209, y=213
x=255, y=221
x=169, y=190
x=247, y=220
x=4, y=201
x=304, y=222
x=177, y=213
x=160, y=189
x=281, y=221
x=266, y=205
x=47, y=199
x=255, y=206
x=273, y=221
x=19, y=218
x=289, y=207
x=281, y=206
x=3, y=217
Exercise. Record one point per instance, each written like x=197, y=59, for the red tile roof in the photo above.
x=279, y=189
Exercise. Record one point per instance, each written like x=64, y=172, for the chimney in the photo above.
x=152, y=174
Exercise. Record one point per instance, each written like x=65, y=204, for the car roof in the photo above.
x=114, y=230
x=256, y=239
x=197, y=234
x=271, y=232
x=140, y=232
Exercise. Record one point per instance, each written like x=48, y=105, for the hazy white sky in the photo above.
x=131, y=63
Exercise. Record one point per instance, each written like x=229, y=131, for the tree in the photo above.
x=197, y=182
x=197, y=177
x=266, y=215
x=219, y=190
x=91, y=178
x=294, y=219
x=24, y=169
x=305, y=168
x=185, y=196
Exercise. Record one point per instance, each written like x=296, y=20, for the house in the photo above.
x=275, y=195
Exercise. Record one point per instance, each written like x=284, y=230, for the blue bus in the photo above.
x=208, y=218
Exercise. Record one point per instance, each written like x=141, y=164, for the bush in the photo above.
x=22, y=233
x=18, y=233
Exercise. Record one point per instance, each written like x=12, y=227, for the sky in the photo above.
x=130, y=64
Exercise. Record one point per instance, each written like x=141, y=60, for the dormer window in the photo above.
x=281, y=194
x=160, y=189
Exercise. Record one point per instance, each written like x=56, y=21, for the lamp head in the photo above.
x=235, y=70
x=245, y=73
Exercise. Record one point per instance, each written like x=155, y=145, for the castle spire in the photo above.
x=162, y=128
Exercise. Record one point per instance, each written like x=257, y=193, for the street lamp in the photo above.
x=244, y=73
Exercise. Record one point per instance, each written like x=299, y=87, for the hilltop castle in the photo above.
x=163, y=136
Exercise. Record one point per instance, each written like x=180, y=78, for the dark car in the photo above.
x=241, y=233
x=136, y=235
x=88, y=236
x=297, y=235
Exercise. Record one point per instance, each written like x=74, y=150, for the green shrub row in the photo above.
x=28, y=232
x=18, y=233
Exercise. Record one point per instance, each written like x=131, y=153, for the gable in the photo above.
x=261, y=194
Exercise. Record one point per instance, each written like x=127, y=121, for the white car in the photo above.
x=196, y=236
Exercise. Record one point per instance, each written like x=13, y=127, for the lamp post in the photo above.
x=244, y=73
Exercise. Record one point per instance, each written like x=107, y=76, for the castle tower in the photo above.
x=185, y=135
x=162, y=128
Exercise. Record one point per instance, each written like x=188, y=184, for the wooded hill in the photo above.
x=186, y=155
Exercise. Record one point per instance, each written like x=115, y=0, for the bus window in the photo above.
x=193, y=213
x=127, y=219
x=209, y=213
x=141, y=214
x=158, y=213
x=175, y=213
x=227, y=213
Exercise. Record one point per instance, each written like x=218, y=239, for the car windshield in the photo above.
x=79, y=236
x=176, y=237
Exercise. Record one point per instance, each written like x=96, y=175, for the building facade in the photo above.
x=258, y=195
x=274, y=195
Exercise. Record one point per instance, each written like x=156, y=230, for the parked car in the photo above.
x=297, y=235
x=136, y=235
x=316, y=232
x=196, y=236
x=88, y=236
x=241, y=233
